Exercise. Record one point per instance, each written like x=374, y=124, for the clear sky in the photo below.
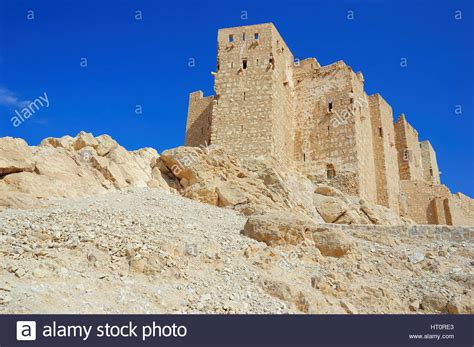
x=417, y=54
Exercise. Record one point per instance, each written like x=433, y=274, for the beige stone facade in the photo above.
x=320, y=120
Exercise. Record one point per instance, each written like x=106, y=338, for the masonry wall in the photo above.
x=385, y=153
x=419, y=196
x=364, y=141
x=198, y=125
x=429, y=163
x=283, y=120
x=434, y=204
x=408, y=147
x=244, y=120
x=461, y=209
x=325, y=132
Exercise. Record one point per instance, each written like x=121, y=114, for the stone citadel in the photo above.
x=319, y=120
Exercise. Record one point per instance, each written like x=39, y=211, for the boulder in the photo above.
x=275, y=228
x=63, y=142
x=330, y=208
x=331, y=243
x=105, y=145
x=326, y=190
x=434, y=302
x=84, y=139
x=230, y=196
x=15, y=156
x=203, y=193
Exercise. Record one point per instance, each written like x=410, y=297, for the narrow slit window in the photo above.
x=243, y=36
x=256, y=36
x=431, y=172
x=245, y=94
x=231, y=38
x=330, y=171
x=244, y=63
x=304, y=156
x=330, y=106
x=380, y=132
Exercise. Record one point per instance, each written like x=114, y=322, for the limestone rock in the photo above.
x=105, y=145
x=15, y=156
x=202, y=193
x=64, y=142
x=330, y=208
x=84, y=139
x=434, y=302
x=274, y=228
x=460, y=304
x=416, y=258
x=332, y=243
x=326, y=190
x=348, y=307
x=230, y=196
x=72, y=167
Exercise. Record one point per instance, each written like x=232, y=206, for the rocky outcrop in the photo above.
x=262, y=186
x=71, y=167
x=87, y=165
x=15, y=156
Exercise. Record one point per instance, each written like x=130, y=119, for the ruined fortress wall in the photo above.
x=461, y=209
x=325, y=128
x=303, y=72
x=333, y=130
x=385, y=153
x=442, y=211
x=419, y=197
x=241, y=118
x=408, y=147
x=434, y=204
x=283, y=121
x=357, y=101
x=320, y=120
x=198, y=125
x=429, y=163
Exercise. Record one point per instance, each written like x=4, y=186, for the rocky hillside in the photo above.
x=87, y=226
x=150, y=251
x=86, y=165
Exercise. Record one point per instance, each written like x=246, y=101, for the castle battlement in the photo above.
x=316, y=118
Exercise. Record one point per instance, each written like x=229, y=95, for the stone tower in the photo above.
x=429, y=163
x=252, y=106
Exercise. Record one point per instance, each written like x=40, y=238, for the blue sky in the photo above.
x=145, y=62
